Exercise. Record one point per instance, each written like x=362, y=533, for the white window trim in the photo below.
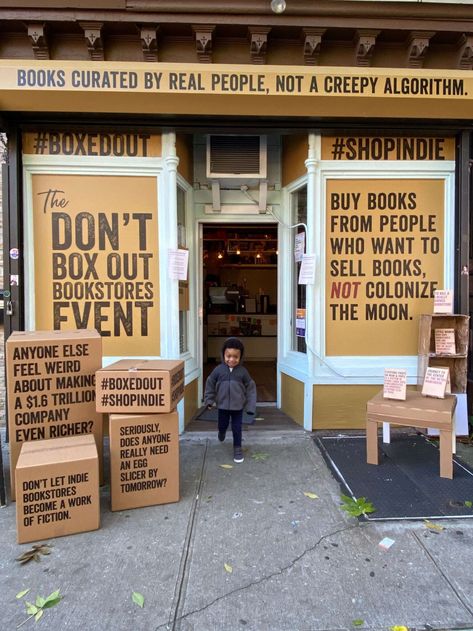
x=191, y=357
x=83, y=165
x=370, y=369
x=290, y=358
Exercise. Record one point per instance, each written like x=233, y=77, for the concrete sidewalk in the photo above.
x=297, y=564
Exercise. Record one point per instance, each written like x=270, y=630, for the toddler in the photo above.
x=230, y=387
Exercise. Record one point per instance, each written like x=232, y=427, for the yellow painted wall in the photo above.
x=292, y=398
x=96, y=144
x=341, y=407
x=190, y=400
x=294, y=155
x=184, y=151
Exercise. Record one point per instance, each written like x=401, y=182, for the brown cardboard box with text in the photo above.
x=57, y=488
x=144, y=460
x=51, y=387
x=134, y=386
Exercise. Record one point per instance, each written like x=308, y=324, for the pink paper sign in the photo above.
x=395, y=381
x=443, y=301
x=435, y=382
x=445, y=342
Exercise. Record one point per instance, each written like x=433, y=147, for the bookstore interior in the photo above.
x=240, y=293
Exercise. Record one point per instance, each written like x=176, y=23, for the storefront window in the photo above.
x=299, y=216
x=183, y=285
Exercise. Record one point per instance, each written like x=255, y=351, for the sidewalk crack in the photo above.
x=182, y=577
x=269, y=576
x=442, y=573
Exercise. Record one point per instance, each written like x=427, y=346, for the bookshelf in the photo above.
x=427, y=355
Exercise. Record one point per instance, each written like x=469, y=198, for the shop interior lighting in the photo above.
x=220, y=255
x=278, y=6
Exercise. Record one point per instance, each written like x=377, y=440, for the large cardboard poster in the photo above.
x=96, y=258
x=384, y=260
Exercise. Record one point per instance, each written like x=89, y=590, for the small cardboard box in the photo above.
x=57, y=488
x=51, y=387
x=144, y=460
x=134, y=386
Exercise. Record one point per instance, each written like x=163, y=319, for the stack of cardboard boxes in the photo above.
x=141, y=397
x=57, y=392
x=55, y=431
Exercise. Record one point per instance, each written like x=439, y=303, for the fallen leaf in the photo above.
x=398, y=627
x=260, y=456
x=31, y=609
x=226, y=466
x=432, y=526
x=312, y=496
x=138, y=599
x=228, y=568
x=23, y=593
x=34, y=554
x=53, y=599
x=468, y=503
x=358, y=622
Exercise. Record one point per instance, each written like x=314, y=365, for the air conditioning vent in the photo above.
x=236, y=156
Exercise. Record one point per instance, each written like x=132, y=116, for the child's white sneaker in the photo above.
x=238, y=455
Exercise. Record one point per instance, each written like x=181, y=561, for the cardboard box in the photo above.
x=134, y=386
x=51, y=387
x=144, y=460
x=57, y=488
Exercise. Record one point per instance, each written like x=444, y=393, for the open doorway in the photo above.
x=240, y=298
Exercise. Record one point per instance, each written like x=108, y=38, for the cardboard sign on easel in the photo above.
x=395, y=381
x=443, y=301
x=435, y=382
x=445, y=342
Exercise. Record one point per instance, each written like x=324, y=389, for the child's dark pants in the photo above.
x=236, y=416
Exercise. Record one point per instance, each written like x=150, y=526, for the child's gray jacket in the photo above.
x=231, y=389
